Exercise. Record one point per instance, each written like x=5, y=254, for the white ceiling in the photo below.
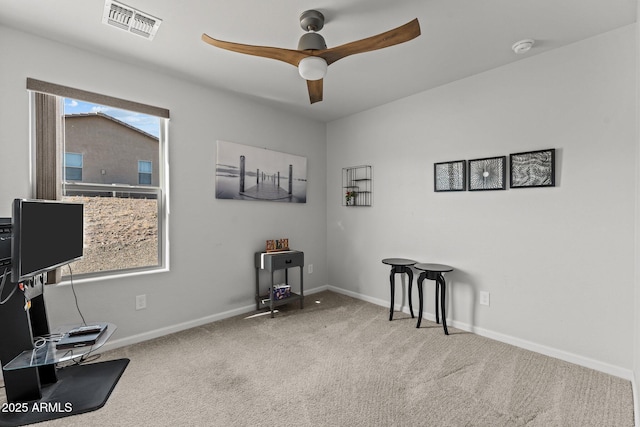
x=459, y=38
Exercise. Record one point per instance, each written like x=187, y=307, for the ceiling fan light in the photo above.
x=312, y=68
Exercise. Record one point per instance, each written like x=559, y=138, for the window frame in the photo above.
x=161, y=192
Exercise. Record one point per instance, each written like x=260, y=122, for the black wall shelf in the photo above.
x=357, y=186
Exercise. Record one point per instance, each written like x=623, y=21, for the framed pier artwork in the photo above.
x=244, y=172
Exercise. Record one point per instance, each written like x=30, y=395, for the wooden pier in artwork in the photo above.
x=266, y=191
x=267, y=185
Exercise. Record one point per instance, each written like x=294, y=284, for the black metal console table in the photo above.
x=271, y=262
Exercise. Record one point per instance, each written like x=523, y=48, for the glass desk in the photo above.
x=49, y=355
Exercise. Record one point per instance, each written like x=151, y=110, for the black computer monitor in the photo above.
x=5, y=243
x=46, y=235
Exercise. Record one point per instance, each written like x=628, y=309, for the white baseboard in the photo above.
x=356, y=295
x=316, y=290
x=538, y=348
x=636, y=403
x=607, y=368
x=156, y=333
x=577, y=359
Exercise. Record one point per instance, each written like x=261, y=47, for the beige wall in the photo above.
x=636, y=334
x=558, y=262
x=110, y=149
x=212, y=241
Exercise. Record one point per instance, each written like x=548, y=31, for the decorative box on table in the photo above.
x=281, y=291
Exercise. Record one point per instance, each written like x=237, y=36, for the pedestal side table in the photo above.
x=400, y=265
x=434, y=272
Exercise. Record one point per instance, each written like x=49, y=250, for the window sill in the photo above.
x=111, y=276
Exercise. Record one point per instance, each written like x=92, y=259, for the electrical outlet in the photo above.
x=484, y=298
x=310, y=268
x=141, y=302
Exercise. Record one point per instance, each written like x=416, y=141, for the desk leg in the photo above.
x=301, y=288
x=443, y=293
x=271, y=295
x=257, y=288
x=420, y=282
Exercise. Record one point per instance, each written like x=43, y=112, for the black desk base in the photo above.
x=79, y=389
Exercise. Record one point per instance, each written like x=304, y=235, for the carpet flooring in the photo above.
x=341, y=362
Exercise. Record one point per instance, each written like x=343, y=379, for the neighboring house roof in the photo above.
x=113, y=119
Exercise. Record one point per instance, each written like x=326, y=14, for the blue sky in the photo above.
x=149, y=124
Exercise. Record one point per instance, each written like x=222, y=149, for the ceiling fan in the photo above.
x=312, y=56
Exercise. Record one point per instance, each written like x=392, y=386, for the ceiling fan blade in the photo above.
x=289, y=56
x=315, y=90
x=402, y=34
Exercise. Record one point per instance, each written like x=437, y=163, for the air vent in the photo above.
x=129, y=19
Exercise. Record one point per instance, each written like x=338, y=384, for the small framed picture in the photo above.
x=449, y=176
x=487, y=174
x=271, y=246
x=282, y=244
x=533, y=169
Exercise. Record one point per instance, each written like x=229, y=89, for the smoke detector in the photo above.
x=129, y=19
x=522, y=46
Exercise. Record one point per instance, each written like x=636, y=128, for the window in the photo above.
x=145, y=172
x=98, y=142
x=73, y=166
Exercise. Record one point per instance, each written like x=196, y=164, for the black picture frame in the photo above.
x=489, y=173
x=450, y=176
x=533, y=169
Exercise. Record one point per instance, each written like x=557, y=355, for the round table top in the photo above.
x=440, y=268
x=398, y=261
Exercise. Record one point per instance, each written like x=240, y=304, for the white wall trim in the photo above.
x=547, y=351
x=586, y=362
x=607, y=368
x=626, y=374
x=636, y=409
x=362, y=297
x=156, y=333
